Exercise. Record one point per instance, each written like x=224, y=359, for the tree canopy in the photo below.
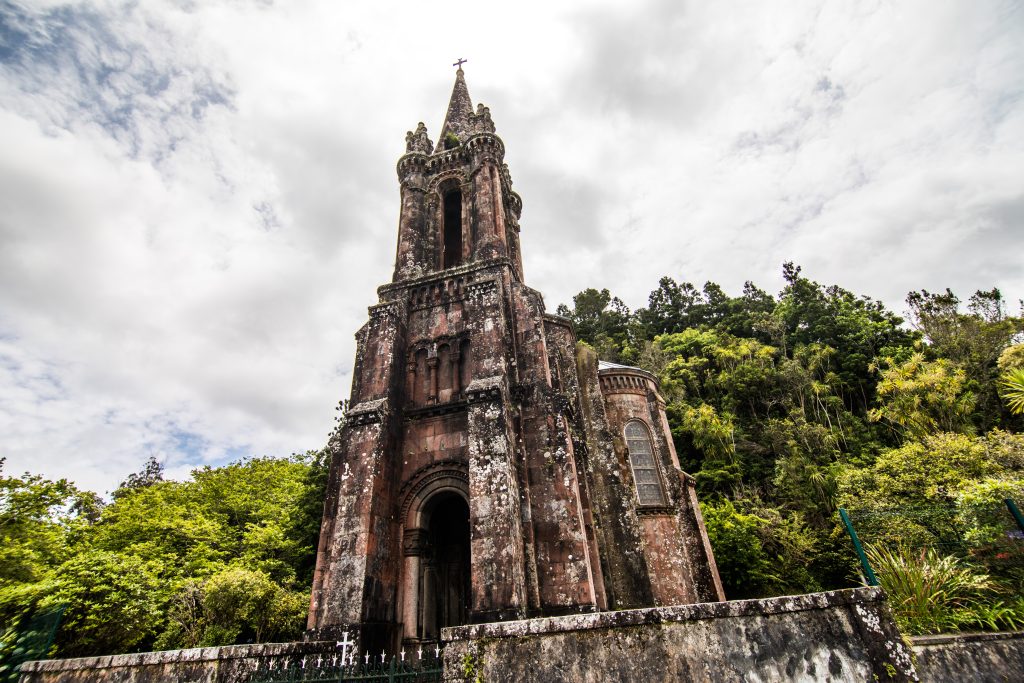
x=221, y=559
x=786, y=407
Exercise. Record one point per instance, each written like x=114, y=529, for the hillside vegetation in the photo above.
x=786, y=408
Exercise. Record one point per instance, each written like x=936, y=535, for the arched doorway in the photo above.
x=444, y=571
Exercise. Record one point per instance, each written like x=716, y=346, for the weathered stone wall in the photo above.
x=562, y=550
x=617, y=525
x=970, y=658
x=231, y=664
x=835, y=636
x=680, y=564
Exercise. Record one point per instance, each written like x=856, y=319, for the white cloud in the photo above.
x=198, y=200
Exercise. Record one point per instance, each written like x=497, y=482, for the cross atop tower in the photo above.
x=460, y=62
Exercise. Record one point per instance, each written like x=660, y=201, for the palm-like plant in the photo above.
x=931, y=593
x=1011, y=387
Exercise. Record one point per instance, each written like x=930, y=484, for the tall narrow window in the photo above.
x=645, y=469
x=452, y=229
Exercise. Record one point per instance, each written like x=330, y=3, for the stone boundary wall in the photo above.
x=834, y=636
x=970, y=657
x=228, y=664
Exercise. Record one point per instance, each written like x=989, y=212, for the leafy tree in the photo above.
x=171, y=523
x=1011, y=358
x=745, y=568
x=806, y=466
x=185, y=624
x=921, y=397
x=151, y=473
x=761, y=552
x=973, y=341
x=303, y=529
x=244, y=605
x=114, y=600
x=674, y=307
x=946, y=489
x=160, y=564
x=36, y=517
x=860, y=327
x=600, y=320
x=933, y=470
x=670, y=308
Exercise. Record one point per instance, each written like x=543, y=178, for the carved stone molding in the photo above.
x=414, y=542
x=453, y=473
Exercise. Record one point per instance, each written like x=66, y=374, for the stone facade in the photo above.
x=488, y=469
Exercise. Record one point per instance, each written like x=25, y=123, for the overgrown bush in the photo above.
x=931, y=593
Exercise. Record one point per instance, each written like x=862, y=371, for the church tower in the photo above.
x=486, y=470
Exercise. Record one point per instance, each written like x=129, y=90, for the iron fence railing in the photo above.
x=333, y=669
x=991, y=536
x=29, y=640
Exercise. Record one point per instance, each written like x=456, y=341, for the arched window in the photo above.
x=645, y=469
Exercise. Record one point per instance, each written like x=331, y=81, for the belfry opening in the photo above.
x=452, y=228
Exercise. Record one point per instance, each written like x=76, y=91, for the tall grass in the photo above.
x=931, y=593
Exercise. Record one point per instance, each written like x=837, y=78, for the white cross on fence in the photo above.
x=344, y=644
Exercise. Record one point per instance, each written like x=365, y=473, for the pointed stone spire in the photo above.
x=460, y=108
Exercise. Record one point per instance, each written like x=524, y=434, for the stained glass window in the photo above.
x=645, y=469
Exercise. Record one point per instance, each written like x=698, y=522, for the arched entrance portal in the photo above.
x=436, y=544
x=444, y=566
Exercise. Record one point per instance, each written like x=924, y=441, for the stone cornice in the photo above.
x=479, y=143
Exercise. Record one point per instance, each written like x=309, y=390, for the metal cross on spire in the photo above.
x=460, y=62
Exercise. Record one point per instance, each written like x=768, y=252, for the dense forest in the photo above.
x=785, y=409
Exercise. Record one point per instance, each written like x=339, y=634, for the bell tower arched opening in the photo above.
x=452, y=216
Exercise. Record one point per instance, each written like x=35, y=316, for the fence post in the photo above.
x=391, y=671
x=868, y=572
x=1015, y=512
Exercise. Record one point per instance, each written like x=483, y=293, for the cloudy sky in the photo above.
x=198, y=197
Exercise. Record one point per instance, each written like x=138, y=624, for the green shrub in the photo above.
x=930, y=593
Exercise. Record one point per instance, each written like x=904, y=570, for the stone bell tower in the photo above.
x=461, y=483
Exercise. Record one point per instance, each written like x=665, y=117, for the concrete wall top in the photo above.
x=194, y=655
x=661, y=615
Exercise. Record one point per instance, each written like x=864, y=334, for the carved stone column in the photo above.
x=456, y=380
x=413, y=548
x=432, y=371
